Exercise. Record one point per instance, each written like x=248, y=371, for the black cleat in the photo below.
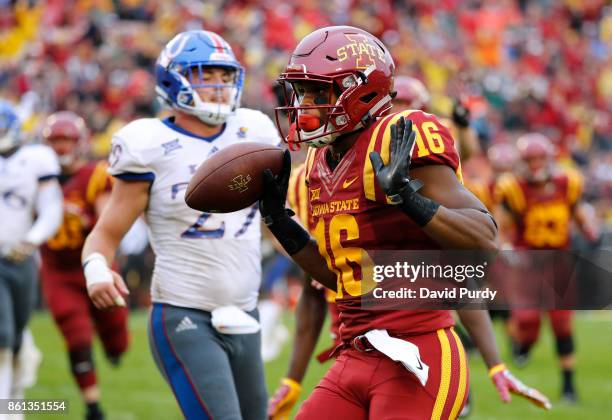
x=569, y=396
x=94, y=412
x=520, y=354
x=114, y=360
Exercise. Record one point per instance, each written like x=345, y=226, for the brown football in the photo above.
x=231, y=179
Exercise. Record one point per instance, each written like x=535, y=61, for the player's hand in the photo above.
x=506, y=383
x=283, y=400
x=109, y=295
x=21, y=251
x=393, y=178
x=272, y=201
x=461, y=114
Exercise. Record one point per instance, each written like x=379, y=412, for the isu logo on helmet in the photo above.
x=366, y=53
x=337, y=81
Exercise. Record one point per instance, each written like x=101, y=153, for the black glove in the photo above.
x=274, y=196
x=289, y=233
x=461, y=115
x=394, y=180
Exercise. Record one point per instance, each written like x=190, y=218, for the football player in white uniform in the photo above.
x=30, y=213
x=203, y=328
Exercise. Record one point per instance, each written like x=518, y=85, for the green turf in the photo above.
x=136, y=391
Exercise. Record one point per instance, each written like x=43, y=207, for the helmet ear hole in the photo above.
x=366, y=99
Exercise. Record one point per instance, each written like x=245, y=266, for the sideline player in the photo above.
x=86, y=187
x=28, y=187
x=537, y=205
x=360, y=191
x=203, y=330
x=412, y=94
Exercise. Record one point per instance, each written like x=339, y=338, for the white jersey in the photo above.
x=20, y=174
x=203, y=260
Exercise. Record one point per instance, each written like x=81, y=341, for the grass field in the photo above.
x=136, y=391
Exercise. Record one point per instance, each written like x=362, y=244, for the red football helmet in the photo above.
x=60, y=127
x=412, y=92
x=502, y=157
x=352, y=64
x=536, y=152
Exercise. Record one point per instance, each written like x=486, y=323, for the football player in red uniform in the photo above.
x=362, y=170
x=86, y=187
x=537, y=206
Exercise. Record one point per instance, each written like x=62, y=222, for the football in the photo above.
x=231, y=179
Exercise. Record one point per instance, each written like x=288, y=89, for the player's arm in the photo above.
x=437, y=201
x=461, y=220
x=478, y=325
x=466, y=136
x=126, y=202
x=100, y=202
x=585, y=217
x=49, y=215
x=294, y=239
x=310, y=316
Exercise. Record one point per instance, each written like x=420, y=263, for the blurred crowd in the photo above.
x=518, y=65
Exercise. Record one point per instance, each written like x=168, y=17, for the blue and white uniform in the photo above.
x=30, y=213
x=203, y=261
x=21, y=174
x=204, y=333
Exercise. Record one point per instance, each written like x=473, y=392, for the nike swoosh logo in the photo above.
x=420, y=366
x=347, y=183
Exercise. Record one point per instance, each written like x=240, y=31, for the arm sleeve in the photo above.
x=128, y=162
x=47, y=165
x=49, y=209
x=575, y=186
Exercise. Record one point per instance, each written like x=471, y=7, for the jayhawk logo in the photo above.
x=242, y=132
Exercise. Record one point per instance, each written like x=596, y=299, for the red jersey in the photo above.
x=81, y=190
x=542, y=214
x=349, y=213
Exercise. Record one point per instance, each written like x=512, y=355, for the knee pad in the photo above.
x=82, y=366
x=565, y=345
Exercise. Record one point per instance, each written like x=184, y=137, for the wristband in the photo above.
x=293, y=384
x=290, y=234
x=500, y=367
x=96, y=269
x=418, y=208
